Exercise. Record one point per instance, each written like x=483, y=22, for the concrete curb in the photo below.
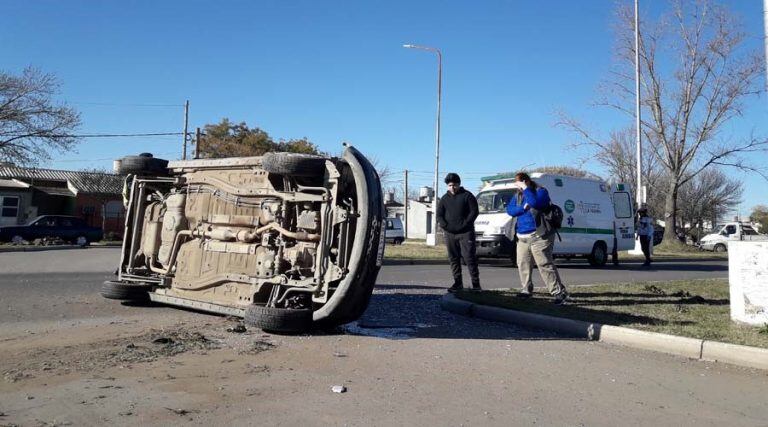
x=735, y=354
x=714, y=351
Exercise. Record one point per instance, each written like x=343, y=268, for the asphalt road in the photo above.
x=406, y=362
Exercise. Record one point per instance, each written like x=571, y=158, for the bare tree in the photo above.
x=695, y=76
x=32, y=124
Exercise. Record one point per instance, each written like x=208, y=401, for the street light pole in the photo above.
x=437, y=134
x=638, y=132
x=638, y=138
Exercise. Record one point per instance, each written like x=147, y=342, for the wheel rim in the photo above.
x=81, y=241
x=719, y=248
x=17, y=240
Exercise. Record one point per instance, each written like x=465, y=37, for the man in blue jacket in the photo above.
x=456, y=214
x=535, y=238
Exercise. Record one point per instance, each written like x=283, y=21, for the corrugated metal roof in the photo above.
x=82, y=182
x=9, y=183
x=55, y=191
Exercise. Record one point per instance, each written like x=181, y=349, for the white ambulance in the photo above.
x=597, y=218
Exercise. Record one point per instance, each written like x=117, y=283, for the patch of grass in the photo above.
x=413, y=251
x=690, y=308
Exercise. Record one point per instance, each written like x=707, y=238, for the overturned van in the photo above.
x=287, y=241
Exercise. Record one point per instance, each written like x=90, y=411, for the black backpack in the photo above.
x=553, y=214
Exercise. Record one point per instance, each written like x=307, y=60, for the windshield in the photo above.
x=494, y=201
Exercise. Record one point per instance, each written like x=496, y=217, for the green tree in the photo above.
x=228, y=139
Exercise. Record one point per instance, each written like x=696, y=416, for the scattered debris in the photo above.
x=339, y=389
x=181, y=411
x=125, y=414
x=681, y=308
x=258, y=346
x=682, y=294
x=337, y=354
x=162, y=340
x=238, y=329
x=256, y=369
x=15, y=375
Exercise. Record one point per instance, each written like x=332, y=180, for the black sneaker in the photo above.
x=560, y=298
x=476, y=288
x=455, y=288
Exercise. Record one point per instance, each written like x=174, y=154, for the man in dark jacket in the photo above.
x=456, y=214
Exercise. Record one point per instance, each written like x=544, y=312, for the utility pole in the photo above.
x=186, y=125
x=405, y=202
x=197, y=143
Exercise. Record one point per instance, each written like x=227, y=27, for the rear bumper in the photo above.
x=496, y=245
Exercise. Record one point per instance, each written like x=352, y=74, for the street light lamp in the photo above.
x=437, y=135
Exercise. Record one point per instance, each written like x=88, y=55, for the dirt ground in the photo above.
x=70, y=357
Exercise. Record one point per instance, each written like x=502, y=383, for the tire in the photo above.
x=275, y=319
x=81, y=241
x=17, y=240
x=720, y=248
x=599, y=255
x=399, y=241
x=143, y=164
x=124, y=291
x=296, y=164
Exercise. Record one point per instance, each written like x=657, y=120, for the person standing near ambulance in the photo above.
x=535, y=238
x=456, y=214
x=645, y=233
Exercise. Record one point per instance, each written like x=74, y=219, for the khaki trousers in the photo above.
x=534, y=248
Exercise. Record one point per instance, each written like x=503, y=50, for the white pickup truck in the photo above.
x=729, y=232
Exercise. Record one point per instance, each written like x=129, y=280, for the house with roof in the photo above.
x=26, y=193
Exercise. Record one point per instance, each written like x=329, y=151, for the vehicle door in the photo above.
x=43, y=227
x=624, y=221
x=68, y=229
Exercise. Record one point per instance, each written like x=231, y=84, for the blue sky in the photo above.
x=335, y=71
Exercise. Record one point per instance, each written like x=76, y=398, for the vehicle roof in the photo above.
x=506, y=183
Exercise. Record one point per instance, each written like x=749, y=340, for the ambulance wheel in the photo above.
x=599, y=255
x=721, y=248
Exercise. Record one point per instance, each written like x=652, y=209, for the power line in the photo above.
x=113, y=104
x=96, y=135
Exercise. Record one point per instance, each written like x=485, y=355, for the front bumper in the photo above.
x=495, y=245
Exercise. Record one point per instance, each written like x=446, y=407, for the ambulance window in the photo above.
x=622, y=205
x=731, y=229
x=558, y=182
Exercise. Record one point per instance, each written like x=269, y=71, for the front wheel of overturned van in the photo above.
x=275, y=319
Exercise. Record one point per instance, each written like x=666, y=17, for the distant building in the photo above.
x=419, y=217
x=26, y=193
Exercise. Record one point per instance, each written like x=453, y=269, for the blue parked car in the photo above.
x=68, y=228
